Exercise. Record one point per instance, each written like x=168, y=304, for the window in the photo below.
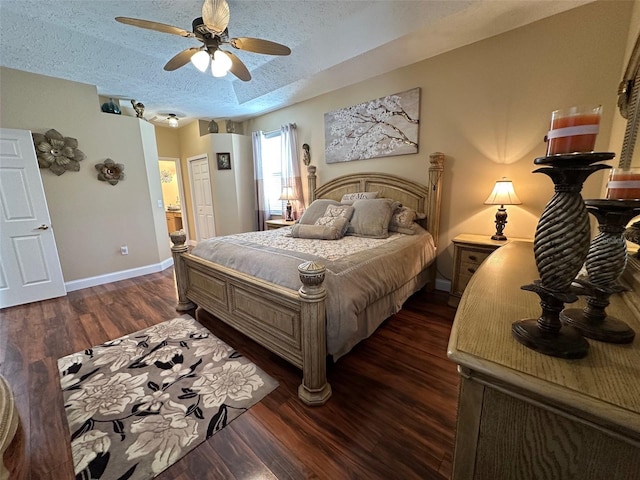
x=272, y=171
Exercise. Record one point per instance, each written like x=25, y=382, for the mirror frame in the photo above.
x=629, y=105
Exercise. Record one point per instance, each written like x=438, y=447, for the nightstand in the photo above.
x=469, y=251
x=278, y=223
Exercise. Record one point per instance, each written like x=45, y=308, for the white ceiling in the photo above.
x=333, y=43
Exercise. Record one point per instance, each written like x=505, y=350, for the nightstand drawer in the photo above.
x=461, y=282
x=473, y=257
x=468, y=268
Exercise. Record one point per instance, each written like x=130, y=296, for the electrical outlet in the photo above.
x=124, y=250
x=160, y=204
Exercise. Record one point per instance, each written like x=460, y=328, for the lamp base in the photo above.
x=289, y=218
x=499, y=237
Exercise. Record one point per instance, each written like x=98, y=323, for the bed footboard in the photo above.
x=291, y=324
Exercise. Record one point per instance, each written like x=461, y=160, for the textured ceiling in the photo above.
x=333, y=43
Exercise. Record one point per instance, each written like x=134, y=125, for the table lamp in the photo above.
x=502, y=194
x=287, y=194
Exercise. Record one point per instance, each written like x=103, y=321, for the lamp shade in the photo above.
x=200, y=60
x=503, y=194
x=287, y=194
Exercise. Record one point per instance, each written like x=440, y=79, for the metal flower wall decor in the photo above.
x=110, y=171
x=57, y=152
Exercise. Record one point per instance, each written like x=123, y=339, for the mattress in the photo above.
x=360, y=272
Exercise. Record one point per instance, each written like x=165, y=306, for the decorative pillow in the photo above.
x=333, y=211
x=349, y=198
x=316, y=210
x=371, y=217
x=321, y=232
x=403, y=220
x=337, y=216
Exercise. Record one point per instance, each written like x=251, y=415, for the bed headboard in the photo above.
x=422, y=198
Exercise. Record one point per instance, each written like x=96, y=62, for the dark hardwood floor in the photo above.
x=391, y=416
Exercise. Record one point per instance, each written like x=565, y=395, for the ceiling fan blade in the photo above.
x=215, y=15
x=181, y=59
x=158, y=27
x=258, y=45
x=238, y=68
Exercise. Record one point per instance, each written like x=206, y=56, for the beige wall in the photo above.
x=232, y=189
x=487, y=106
x=91, y=219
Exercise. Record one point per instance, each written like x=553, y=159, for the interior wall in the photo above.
x=487, y=106
x=91, y=218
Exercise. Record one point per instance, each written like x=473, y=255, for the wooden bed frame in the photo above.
x=292, y=323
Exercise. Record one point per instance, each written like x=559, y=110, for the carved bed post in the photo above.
x=436, y=169
x=311, y=182
x=314, y=390
x=178, y=248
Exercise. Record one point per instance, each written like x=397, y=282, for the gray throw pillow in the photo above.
x=371, y=217
x=321, y=232
x=316, y=210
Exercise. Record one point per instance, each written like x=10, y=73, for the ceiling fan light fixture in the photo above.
x=215, y=15
x=173, y=120
x=200, y=60
x=222, y=59
x=217, y=70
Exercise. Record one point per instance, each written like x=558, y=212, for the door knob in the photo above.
x=43, y=227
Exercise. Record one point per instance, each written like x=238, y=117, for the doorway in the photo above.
x=201, y=197
x=173, y=194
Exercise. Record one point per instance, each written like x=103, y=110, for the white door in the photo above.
x=202, y=198
x=29, y=265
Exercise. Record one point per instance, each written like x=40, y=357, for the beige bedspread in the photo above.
x=359, y=270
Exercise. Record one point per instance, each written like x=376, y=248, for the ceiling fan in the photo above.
x=211, y=30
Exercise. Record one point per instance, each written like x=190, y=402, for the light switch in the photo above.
x=160, y=205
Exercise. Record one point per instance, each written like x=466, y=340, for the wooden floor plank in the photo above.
x=392, y=414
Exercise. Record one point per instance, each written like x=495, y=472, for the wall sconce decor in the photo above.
x=287, y=194
x=502, y=194
x=110, y=171
x=57, y=152
x=306, y=154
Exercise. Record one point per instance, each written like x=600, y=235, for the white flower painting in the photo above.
x=378, y=128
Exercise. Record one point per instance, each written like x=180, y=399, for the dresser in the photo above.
x=469, y=251
x=527, y=416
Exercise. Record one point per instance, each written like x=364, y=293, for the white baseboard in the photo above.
x=442, y=284
x=116, y=276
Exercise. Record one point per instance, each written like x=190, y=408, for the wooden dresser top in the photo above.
x=604, y=387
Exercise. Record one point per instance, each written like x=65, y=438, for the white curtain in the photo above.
x=291, y=167
x=261, y=202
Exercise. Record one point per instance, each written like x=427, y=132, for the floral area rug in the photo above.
x=137, y=404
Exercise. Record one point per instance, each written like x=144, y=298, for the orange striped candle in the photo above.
x=624, y=184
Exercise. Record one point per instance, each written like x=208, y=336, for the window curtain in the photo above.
x=291, y=167
x=261, y=202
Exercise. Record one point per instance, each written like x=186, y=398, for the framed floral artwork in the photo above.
x=382, y=127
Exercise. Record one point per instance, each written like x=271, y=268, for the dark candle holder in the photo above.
x=560, y=247
x=606, y=260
